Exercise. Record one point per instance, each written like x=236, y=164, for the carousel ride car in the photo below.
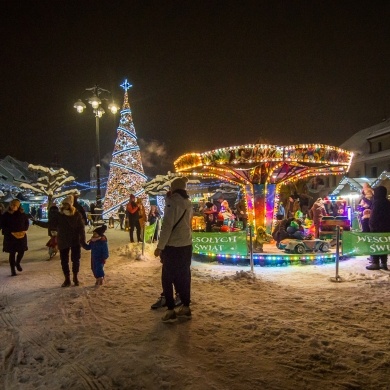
x=303, y=246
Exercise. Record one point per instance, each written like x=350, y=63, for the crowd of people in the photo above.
x=296, y=209
x=66, y=228
x=218, y=211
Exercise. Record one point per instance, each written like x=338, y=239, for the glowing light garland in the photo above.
x=259, y=167
x=126, y=171
x=270, y=260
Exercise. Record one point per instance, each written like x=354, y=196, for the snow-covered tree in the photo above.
x=159, y=187
x=50, y=182
x=161, y=184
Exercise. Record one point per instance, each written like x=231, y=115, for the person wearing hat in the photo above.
x=14, y=224
x=70, y=235
x=317, y=212
x=132, y=214
x=175, y=250
x=99, y=253
x=210, y=215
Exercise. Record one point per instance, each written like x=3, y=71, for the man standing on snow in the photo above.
x=175, y=249
x=379, y=223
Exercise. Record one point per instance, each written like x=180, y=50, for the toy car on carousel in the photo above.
x=303, y=246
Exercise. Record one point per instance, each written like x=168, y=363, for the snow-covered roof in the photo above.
x=355, y=184
x=358, y=142
x=13, y=172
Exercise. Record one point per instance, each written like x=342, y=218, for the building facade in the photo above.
x=371, y=148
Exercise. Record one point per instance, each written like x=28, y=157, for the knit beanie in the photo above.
x=69, y=199
x=180, y=183
x=100, y=230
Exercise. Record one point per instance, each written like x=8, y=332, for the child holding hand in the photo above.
x=99, y=253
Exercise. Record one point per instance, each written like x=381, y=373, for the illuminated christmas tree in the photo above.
x=126, y=171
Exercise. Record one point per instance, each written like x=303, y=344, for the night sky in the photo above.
x=205, y=74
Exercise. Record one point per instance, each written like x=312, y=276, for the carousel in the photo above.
x=261, y=171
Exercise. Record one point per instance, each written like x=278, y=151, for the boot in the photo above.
x=17, y=262
x=66, y=282
x=75, y=280
x=373, y=267
x=12, y=265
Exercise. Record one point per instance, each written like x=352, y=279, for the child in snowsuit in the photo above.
x=99, y=253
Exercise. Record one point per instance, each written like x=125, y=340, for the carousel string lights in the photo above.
x=261, y=170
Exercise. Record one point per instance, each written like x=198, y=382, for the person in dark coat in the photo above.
x=154, y=217
x=33, y=212
x=71, y=234
x=92, y=212
x=99, y=253
x=132, y=214
x=40, y=212
x=121, y=215
x=51, y=218
x=280, y=231
x=210, y=215
x=242, y=214
x=14, y=224
x=80, y=209
x=379, y=223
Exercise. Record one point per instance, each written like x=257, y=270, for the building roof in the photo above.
x=355, y=184
x=358, y=142
x=14, y=172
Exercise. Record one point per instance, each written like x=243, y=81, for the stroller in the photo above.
x=52, y=244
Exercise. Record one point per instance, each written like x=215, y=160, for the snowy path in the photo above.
x=287, y=328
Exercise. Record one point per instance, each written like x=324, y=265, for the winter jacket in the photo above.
x=13, y=223
x=98, y=248
x=53, y=211
x=241, y=210
x=153, y=217
x=318, y=211
x=380, y=212
x=132, y=211
x=121, y=212
x=141, y=213
x=70, y=228
x=176, y=206
x=81, y=210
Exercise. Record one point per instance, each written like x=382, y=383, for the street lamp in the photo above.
x=98, y=94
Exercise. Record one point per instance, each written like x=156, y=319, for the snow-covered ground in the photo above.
x=281, y=328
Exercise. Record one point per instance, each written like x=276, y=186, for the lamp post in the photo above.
x=95, y=101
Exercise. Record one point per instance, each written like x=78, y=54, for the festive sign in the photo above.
x=233, y=243
x=358, y=244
